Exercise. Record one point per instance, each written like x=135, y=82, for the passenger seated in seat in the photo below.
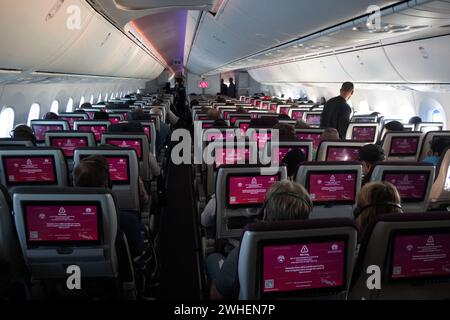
x=86, y=105
x=101, y=115
x=438, y=145
x=369, y=155
x=23, y=131
x=286, y=200
x=136, y=127
x=93, y=172
x=301, y=124
x=415, y=120
x=286, y=132
x=213, y=114
x=292, y=160
x=163, y=133
x=375, y=198
x=51, y=116
x=330, y=134
x=394, y=126
x=220, y=123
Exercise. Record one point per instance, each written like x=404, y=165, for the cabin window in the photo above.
x=99, y=98
x=364, y=107
x=81, y=102
x=6, y=122
x=69, y=105
x=437, y=116
x=54, y=107
x=34, y=113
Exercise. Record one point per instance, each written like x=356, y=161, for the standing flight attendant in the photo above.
x=336, y=113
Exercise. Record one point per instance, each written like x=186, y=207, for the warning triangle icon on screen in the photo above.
x=304, y=249
x=430, y=240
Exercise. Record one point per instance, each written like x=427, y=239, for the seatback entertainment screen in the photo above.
x=299, y=267
x=248, y=191
x=60, y=224
x=23, y=170
x=332, y=187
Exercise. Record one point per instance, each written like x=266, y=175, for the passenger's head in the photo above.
x=287, y=200
x=347, y=90
x=330, y=134
x=220, y=123
x=301, y=124
x=22, y=131
x=137, y=114
x=213, y=114
x=51, y=116
x=222, y=81
x=92, y=172
x=394, y=126
x=240, y=109
x=369, y=155
x=101, y=115
x=415, y=120
x=194, y=103
x=231, y=80
x=438, y=145
x=292, y=160
x=374, y=199
x=286, y=131
x=86, y=105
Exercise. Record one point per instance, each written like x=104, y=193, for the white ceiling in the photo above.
x=244, y=28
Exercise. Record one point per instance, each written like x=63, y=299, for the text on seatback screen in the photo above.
x=297, y=115
x=114, y=120
x=98, y=130
x=231, y=156
x=69, y=144
x=404, y=146
x=220, y=136
x=296, y=267
x=25, y=170
x=249, y=190
x=40, y=130
x=261, y=138
x=332, y=187
x=284, y=110
x=314, y=137
x=118, y=168
x=127, y=143
x=244, y=126
x=60, y=223
x=411, y=186
x=364, y=134
x=418, y=256
x=342, y=153
x=313, y=119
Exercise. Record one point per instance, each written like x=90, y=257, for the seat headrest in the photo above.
x=126, y=127
x=300, y=225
